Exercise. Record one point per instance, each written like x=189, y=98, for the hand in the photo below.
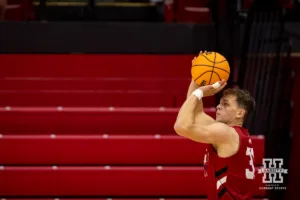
x=209, y=90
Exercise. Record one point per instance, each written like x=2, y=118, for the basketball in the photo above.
x=210, y=67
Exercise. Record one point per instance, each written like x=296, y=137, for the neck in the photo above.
x=235, y=123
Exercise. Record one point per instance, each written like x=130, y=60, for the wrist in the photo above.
x=193, y=85
x=198, y=93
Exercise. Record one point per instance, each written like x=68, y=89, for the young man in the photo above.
x=229, y=158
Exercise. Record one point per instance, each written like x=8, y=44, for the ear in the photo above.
x=241, y=113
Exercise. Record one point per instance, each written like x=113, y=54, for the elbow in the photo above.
x=181, y=129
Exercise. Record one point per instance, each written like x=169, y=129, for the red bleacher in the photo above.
x=104, y=120
x=103, y=80
x=93, y=98
x=89, y=126
x=101, y=150
x=105, y=181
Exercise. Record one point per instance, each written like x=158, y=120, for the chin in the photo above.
x=218, y=119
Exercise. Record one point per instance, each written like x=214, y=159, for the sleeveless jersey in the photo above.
x=232, y=177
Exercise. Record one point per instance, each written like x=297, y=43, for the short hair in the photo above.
x=243, y=99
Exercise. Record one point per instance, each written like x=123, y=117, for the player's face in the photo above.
x=227, y=109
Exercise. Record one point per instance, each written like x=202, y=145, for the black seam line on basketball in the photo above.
x=202, y=75
x=221, y=171
x=218, y=75
x=212, y=61
x=212, y=66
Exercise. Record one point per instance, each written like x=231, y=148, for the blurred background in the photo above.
x=90, y=90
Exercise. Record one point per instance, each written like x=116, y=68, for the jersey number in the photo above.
x=250, y=172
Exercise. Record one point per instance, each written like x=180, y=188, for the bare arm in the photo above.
x=186, y=124
x=200, y=116
x=216, y=133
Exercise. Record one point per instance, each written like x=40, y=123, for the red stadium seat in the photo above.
x=18, y=10
x=106, y=150
x=101, y=120
x=13, y=12
x=106, y=181
x=196, y=11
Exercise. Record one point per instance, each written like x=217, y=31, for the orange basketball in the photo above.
x=209, y=68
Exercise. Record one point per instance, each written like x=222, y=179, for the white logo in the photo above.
x=272, y=170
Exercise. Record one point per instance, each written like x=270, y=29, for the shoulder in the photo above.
x=230, y=143
x=223, y=134
x=221, y=128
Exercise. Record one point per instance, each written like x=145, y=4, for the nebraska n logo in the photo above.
x=272, y=170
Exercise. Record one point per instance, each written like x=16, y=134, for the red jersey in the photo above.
x=232, y=177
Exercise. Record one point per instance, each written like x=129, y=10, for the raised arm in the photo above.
x=200, y=116
x=186, y=124
x=216, y=133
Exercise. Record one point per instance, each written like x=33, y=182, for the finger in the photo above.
x=193, y=59
x=223, y=81
x=221, y=88
x=200, y=52
x=224, y=85
x=217, y=84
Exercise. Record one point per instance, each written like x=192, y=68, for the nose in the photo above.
x=218, y=107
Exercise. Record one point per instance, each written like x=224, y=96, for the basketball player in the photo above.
x=228, y=162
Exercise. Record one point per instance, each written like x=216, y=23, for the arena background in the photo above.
x=88, y=104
